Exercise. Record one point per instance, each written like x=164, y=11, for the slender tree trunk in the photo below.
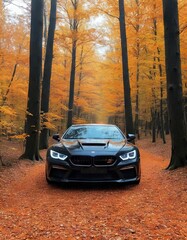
x=145, y=129
x=78, y=110
x=74, y=28
x=11, y=80
x=153, y=114
x=33, y=105
x=161, y=100
x=63, y=111
x=174, y=85
x=153, y=77
x=72, y=85
x=45, y=25
x=126, y=83
x=47, y=76
x=137, y=103
x=137, y=28
x=161, y=128
x=81, y=72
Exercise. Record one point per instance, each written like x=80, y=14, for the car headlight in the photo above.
x=57, y=155
x=128, y=155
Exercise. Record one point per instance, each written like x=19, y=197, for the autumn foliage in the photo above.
x=98, y=95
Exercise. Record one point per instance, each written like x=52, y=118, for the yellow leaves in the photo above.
x=6, y=110
x=48, y=119
x=79, y=120
x=20, y=137
x=98, y=82
x=63, y=107
x=51, y=115
x=14, y=50
x=6, y=124
x=50, y=126
x=81, y=102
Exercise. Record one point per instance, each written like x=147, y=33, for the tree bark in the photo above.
x=33, y=105
x=47, y=76
x=74, y=28
x=72, y=85
x=161, y=100
x=11, y=80
x=78, y=108
x=174, y=85
x=153, y=124
x=125, y=69
x=160, y=128
x=136, y=124
x=137, y=28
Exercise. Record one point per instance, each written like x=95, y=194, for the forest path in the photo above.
x=154, y=209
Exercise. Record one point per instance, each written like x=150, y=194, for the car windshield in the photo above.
x=94, y=132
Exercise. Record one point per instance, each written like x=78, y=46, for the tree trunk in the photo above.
x=174, y=85
x=127, y=94
x=166, y=123
x=47, y=76
x=161, y=123
x=45, y=24
x=136, y=125
x=11, y=80
x=78, y=109
x=33, y=105
x=137, y=28
x=161, y=101
x=72, y=84
x=153, y=115
x=74, y=27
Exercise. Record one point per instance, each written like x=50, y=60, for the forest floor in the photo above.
x=31, y=209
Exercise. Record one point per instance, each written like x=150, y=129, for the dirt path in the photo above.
x=156, y=209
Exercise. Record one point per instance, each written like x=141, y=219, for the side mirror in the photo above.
x=56, y=137
x=130, y=137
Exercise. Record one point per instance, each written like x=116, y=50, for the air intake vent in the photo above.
x=94, y=144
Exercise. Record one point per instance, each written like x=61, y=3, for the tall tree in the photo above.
x=47, y=76
x=127, y=94
x=33, y=106
x=74, y=28
x=174, y=85
x=137, y=53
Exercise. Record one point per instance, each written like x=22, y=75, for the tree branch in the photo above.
x=110, y=15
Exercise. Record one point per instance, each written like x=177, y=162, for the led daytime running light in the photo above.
x=129, y=155
x=57, y=155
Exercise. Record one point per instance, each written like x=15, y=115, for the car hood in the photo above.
x=93, y=147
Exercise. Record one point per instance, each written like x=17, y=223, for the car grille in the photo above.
x=98, y=161
x=81, y=161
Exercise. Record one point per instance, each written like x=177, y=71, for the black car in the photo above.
x=93, y=153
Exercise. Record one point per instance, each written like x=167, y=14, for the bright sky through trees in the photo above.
x=15, y=6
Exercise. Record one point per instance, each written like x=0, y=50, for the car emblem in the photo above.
x=92, y=151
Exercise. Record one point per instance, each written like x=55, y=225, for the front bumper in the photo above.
x=62, y=171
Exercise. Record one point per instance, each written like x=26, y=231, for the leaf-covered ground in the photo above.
x=31, y=209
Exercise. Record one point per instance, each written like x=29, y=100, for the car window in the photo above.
x=93, y=132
